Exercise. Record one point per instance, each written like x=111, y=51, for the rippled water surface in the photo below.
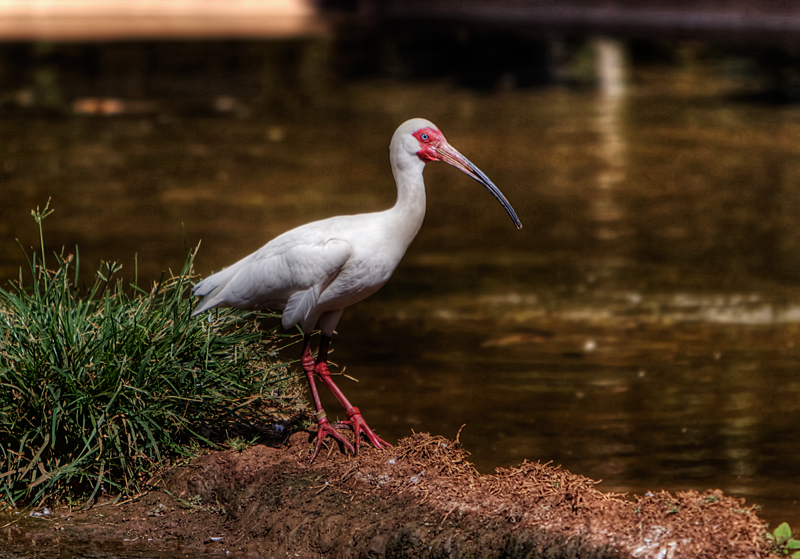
x=641, y=329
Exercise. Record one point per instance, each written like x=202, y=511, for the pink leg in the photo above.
x=354, y=419
x=324, y=427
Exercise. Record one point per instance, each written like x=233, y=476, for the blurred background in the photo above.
x=641, y=329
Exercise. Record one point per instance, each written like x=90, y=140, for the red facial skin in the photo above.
x=434, y=138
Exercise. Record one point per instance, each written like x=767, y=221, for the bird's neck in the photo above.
x=409, y=210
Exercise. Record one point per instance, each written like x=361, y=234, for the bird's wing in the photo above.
x=287, y=275
x=321, y=264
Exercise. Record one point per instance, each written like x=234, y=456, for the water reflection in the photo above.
x=607, y=212
x=641, y=329
x=654, y=399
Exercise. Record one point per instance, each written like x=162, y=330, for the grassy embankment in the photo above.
x=102, y=385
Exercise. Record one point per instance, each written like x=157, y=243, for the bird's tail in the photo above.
x=212, y=287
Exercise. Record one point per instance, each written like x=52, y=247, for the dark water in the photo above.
x=641, y=329
x=15, y=545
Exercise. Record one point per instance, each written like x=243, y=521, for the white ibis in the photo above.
x=313, y=272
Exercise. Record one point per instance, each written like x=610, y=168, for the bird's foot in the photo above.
x=356, y=422
x=324, y=428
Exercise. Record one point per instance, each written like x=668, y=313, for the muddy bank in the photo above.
x=421, y=498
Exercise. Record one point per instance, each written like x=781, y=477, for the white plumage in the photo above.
x=314, y=271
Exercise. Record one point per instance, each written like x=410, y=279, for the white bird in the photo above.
x=313, y=272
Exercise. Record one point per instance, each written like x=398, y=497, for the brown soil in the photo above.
x=421, y=498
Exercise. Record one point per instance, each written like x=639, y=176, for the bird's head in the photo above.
x=422, y=139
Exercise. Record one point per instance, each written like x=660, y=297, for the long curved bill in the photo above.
x=451, y=155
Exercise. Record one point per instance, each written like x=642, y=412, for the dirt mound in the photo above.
x=421, y=498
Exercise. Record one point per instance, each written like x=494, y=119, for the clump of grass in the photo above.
x=101, y=385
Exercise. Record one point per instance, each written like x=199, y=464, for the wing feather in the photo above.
x=280, y=276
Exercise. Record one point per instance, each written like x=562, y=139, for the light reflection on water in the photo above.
x=641, y=329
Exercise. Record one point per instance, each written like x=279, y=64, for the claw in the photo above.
x=324, y=428
x=356, y=422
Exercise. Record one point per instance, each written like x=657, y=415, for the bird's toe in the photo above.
x=324, y=429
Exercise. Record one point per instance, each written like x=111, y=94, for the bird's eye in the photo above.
x=424, y=137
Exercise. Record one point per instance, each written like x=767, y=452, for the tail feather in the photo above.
x=212, y=286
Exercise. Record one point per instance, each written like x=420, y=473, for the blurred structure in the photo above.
x=150, y=19
x=687, y=15
x=23, y=20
